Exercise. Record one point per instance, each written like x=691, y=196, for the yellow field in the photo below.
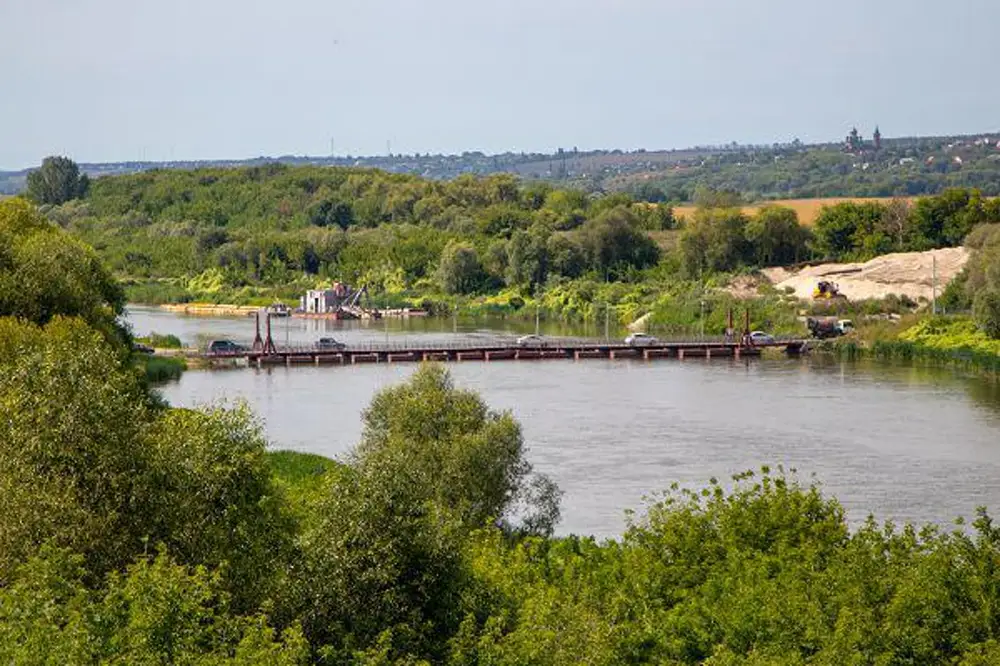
x=807, y=209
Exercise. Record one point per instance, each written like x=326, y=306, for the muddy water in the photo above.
x=904, y=443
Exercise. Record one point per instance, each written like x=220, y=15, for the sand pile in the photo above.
x=903, y=273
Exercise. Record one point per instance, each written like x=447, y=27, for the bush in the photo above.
x=986, y=310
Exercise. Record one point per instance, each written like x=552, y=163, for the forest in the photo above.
x=494, y=244
x=136, y=532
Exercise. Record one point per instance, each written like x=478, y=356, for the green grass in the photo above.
x=161, y=369
x=159, y=341
x=299, y=471
x=955, y=341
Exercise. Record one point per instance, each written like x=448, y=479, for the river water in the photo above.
x=903, y=443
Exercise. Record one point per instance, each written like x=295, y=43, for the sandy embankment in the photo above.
x=904, y=274
x=211, y=310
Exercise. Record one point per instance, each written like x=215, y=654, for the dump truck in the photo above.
x=829, y=327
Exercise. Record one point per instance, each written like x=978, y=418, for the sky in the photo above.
x=117, y=80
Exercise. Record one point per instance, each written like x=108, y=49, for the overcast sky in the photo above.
x=110, y=80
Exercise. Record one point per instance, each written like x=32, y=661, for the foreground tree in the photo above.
x=89, y=463
x=57, y=181
x=156, y=612
x=382, y=546
x=44, y=272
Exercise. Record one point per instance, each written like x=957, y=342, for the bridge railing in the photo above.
x=492, y=343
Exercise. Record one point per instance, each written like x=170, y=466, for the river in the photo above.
x=904, y=443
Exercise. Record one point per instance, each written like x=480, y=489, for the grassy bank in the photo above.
x=161, y=369
x=954, y=341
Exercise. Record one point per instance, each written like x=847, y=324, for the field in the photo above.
x=807, y=209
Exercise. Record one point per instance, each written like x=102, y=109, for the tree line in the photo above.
x=236, y=233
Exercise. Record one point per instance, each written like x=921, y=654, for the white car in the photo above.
x=531, y=341
x=641, y=340
x=761, y=338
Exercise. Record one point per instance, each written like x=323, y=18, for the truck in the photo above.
x=829, y=327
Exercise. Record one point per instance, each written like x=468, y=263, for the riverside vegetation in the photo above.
x=489, y=245
x=133, y=532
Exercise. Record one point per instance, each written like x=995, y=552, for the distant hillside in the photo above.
x=899, y=167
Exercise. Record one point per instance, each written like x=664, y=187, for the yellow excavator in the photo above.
x=826, y=290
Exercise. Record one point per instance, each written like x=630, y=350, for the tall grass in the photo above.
x=953, y=341
x=160, y=369
x=160, y=341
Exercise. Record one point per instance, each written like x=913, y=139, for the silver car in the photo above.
x=532, y=341
x=641, y=340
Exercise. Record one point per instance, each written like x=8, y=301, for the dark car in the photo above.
x=224, y=347
x=329, y=344
x=140, y=348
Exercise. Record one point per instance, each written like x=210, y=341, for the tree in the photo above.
x=381, y=551
x=527, y=258
x=44, y=272
x=614, y=244
x=330, y=213
x=57, y=181
x=155, y=612
x=776, y=237
x=714, y=240
x=72, y=465
x=848, y=227
x=986, y=310
x=566, y=256
x=467, y=459
x=459, y=270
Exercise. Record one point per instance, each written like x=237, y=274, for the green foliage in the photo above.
x=159, y=369
x=986, y=310
x=44, y=273
x=57, y=181
x=847, y=230
x=72, y=468
x=88, y=462
x=714, y=240
x=776, y=237
x=460, y=271
x=161, y=341
x=939, y=340
x=860, y=231
x=468, y=461
x=614, y=244
x=155, y=613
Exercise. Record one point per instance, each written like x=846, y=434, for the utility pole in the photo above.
x=702, y=318
x=536, y=318
x=607, y=319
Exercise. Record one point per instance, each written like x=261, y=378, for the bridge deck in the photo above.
x=500, y=349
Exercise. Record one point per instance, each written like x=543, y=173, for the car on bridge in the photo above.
x=641, y=340
x=225, y=347
x=761, y=338
x=532, y=341
x=330, y=344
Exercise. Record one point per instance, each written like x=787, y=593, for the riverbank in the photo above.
x=952, y=341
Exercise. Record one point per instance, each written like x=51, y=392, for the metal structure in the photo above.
x=265, y=352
